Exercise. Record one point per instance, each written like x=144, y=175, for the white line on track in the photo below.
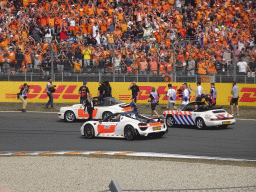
x=125, y=153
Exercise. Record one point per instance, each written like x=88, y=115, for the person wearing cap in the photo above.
x=83, y=92
x=185, y=95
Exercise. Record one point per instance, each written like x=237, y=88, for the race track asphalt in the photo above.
x=33, y=131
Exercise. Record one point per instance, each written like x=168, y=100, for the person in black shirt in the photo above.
x=108, y=90
x=101, y=92
x=89, y=106
x=83, y=91
x=135, y=91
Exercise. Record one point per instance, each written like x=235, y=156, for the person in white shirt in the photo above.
x=199, y=92
x=171, y=94
x=185, y=95
x=243, y=67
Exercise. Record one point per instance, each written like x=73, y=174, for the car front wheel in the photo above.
x=70, y=116
x=129, y=132
x=200, y=123
x=88, y=131
x=170, y=121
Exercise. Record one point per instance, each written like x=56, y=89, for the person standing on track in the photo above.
x=199, y=91
x=235, y=97
x=185, y=95
x=135, y=91
x=89, y=106
x=83, y=91
x=171, y=94
x=23, y=96
x=212, y=94
x=154, y=95
x=50, y=89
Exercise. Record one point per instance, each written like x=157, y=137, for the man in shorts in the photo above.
x=234, y=100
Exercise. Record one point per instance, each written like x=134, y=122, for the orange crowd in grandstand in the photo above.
x=135, y=36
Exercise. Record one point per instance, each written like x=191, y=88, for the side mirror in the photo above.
x=100, y=121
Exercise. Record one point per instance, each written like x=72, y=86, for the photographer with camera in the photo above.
x=22, y=95
x=50, y=89
x=171, y=94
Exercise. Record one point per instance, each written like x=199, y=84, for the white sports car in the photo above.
x=102, y=109
x=203, y=116
x=124, y=125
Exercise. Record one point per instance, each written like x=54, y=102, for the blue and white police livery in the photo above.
x=199, y=114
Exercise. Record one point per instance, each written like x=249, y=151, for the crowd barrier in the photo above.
x=67, y=92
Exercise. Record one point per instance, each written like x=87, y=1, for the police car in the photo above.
x=124, y=125
x=200, y=114
x=103, y=108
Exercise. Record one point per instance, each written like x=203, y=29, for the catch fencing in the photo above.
x=99, y=77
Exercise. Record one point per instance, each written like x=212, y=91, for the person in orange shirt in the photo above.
x=202, y=67
x=77, y=65
x=11, y=55
x=162, y=67
x=27, y=59
x=169, y=67
x=143, y=65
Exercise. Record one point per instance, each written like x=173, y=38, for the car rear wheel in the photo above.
x=129, y=132
x=106, y=114
x=170, y=121
x=200, y=123
x=88, y=131
x=70, y=116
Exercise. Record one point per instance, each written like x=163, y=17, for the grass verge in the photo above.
x=246, y=112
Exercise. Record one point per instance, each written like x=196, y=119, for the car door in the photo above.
x=108, y=125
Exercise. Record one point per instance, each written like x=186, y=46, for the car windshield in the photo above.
x=109, y=101
x=191, y=106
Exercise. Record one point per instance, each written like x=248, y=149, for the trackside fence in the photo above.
x=99, y=77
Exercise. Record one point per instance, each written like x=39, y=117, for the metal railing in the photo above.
x=115, y=187
x=99, y=77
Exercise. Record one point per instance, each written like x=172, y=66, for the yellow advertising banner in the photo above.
x=67, y=92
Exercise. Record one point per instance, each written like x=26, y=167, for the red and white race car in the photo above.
x=102, y=109
x=124, y=125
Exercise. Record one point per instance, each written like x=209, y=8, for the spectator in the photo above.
x=143, y=65
x=87, y=56
x=243, y=67
x=191, y=66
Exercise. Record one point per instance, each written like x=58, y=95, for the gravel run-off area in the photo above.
x=89, y=174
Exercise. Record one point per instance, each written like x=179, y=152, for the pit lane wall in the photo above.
x=67, y=92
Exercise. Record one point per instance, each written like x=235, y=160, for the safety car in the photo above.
x=124, y=125
x=199, y=114
x=103, y=108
